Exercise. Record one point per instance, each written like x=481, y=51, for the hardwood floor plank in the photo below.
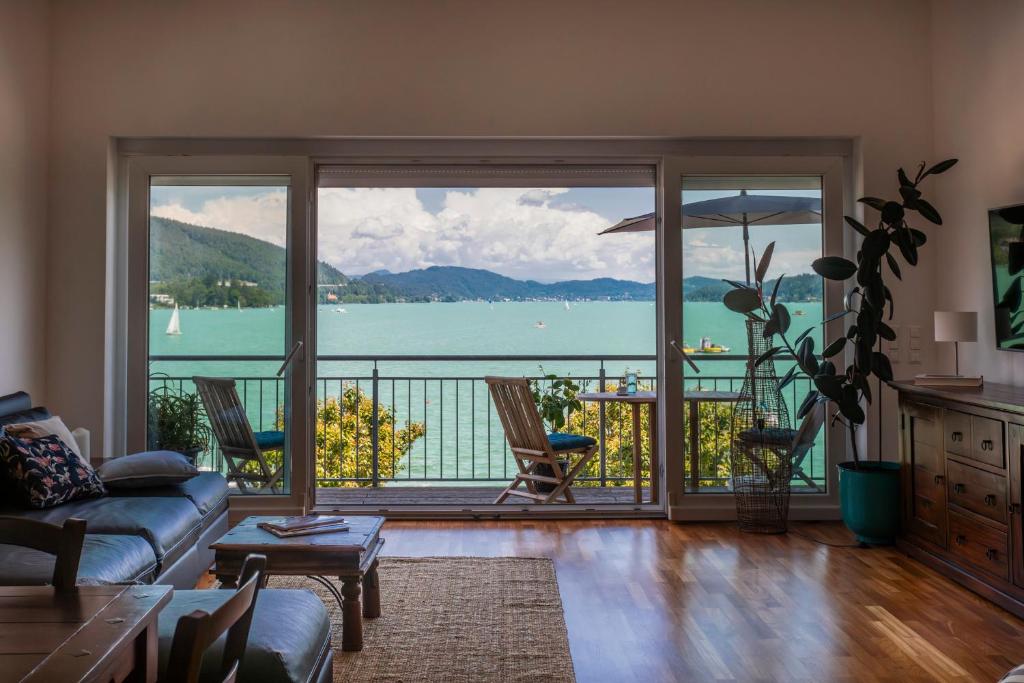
x=658, y=601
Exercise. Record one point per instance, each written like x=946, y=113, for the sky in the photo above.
x=545, y=234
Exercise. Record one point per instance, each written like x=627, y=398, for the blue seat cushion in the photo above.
x=269, y=440
x=106, y=558
x=289, y=638
x=568, y=442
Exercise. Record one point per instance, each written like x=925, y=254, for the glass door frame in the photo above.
x=130, y=426
x=835, y=202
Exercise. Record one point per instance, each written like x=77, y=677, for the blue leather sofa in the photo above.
x=150, y=535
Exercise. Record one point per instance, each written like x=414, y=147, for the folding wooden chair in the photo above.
x=239, y=444
x=532, y=446
x=804, y=440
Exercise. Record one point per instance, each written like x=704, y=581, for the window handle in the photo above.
x=678, y=349
x=290, y=357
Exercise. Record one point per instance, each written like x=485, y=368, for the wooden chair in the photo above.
x=531, y=446
x=65, y=542
x=237, y=441
x=195, y=632
x=804, y=440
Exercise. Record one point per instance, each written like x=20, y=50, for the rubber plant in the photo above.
x=868, y=305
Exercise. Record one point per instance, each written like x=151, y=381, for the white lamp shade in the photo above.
x=956, y=326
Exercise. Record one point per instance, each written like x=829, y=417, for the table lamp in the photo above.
x=956, y=327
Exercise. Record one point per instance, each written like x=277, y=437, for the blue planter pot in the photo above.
x=869, y=498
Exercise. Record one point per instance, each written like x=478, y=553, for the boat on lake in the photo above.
x=539, y=325
x=708, y=346
x=174, y=326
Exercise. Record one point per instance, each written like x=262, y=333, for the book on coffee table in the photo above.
x=301, y=523
x=321, y=529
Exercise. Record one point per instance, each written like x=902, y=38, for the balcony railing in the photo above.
x=428, y=420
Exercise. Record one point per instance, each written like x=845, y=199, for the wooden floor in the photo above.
x=659, y=601
x=387, y=496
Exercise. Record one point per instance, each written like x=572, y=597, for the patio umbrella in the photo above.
x=741, y=209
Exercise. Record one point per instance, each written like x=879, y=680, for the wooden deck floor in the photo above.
x=459, y=495
x=660, y=601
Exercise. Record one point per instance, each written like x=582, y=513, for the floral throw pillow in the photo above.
x=46, y=472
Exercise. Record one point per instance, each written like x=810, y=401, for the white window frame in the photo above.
x=132, y=322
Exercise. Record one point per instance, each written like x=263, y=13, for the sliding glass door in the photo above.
x=218, y=284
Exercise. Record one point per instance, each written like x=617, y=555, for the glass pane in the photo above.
x=425, y=291
x=218, y=280
x=728, y=223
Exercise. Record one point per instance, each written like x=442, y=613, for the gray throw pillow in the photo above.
x=142, y=470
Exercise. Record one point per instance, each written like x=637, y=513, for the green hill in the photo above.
x=201, y=266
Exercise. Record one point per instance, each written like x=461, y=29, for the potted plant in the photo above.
x=555, y=397
x=869, y=491
x=177, y=422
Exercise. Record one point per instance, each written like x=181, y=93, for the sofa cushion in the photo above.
x=146, y=470
x=17, y=407
x=106, y=558
x=268, y=441
x=169, y=525
x=565, y=442
x=208, y=492
x=47, y=472
x=38, y=428
x=288, y=641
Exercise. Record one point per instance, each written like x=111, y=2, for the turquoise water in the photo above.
x=463, y=440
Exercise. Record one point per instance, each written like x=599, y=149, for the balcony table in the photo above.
x=94, y=633
x=693, y=400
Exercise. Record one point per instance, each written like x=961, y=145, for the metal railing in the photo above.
x=403, y=419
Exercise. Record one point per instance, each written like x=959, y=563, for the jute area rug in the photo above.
x=457, y=620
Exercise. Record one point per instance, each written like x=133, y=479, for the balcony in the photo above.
x=421, y=430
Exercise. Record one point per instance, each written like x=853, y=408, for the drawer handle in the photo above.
x=1013, y=508
x=959, y=488
x=990, y=499
x=956, y=436
x=960, y=539
x=992, y=554
x=987, y=445
x=939, y=478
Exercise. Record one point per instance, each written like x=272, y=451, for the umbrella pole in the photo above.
x=746, y=245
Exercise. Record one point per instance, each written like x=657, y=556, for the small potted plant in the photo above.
x=555, y=398
x=869, y=491
x=177, y=422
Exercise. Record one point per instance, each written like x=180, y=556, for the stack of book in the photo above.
x=952, y=381
x=287, y=527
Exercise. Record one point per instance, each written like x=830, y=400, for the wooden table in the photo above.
x=635, y=401
x=693, y=400
x=96, y=633
x=349, y=555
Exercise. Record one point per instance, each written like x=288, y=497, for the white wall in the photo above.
x=457, y=68
x=978, y=68
x=24, y=93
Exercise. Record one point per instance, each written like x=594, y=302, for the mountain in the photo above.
x=201, y=266
x=453, y=283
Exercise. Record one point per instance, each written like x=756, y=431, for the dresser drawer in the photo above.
x=956, y=427
x=979, y=545
x=987, y=441
x=976, y=490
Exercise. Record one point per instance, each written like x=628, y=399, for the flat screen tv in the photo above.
x=1006, y=237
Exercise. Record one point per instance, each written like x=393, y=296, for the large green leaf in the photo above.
x=881, y=366
x=857, y=225
x=808, y=403
x=781, y=315
x=742, y=300
x=766, y=356
x=834, y=267
x=762, y=265
x=849, y=405
x=875, y=244
x=873, y=202
x=929, y=212
x=892, y=213
x=940, y=167
x=834, y=348
x=893, y=266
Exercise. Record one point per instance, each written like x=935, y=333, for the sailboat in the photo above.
x=238, y=302
x=174, y=326
x=567, y=305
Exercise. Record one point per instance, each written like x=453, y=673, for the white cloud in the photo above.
x=263, y=216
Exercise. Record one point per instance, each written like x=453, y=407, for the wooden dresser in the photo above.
x=961, y=453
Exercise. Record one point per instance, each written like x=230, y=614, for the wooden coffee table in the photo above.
x=349, y=555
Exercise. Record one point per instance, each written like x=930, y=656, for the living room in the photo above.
x=441, y=190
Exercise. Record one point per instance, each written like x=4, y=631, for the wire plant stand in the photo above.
x=762, y=444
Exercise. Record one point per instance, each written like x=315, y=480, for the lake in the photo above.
x=414, y=390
